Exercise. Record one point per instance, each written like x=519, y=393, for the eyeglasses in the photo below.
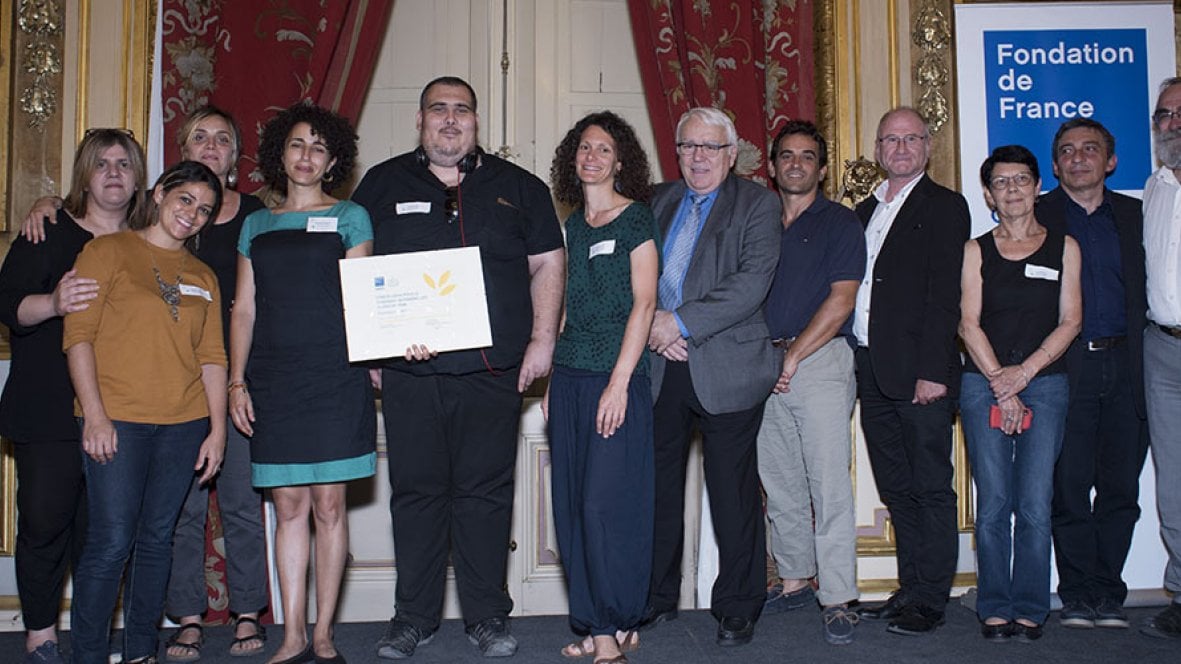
x=892, y=141
x=1163, y=115
x=1002, y=182
x=99, y=130
x=710, y=149
x=451, y=203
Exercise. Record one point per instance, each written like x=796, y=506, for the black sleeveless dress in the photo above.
x=315, y=420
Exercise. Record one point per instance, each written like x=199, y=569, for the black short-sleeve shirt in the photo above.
x=503, y=209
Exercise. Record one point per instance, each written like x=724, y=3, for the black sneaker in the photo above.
x=401, y=638
x=1110, y=613
x=1077, y=614
x=491, y=635
x=915, y=620
x=1164, y=625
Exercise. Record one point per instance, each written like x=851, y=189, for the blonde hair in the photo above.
x=190, y=125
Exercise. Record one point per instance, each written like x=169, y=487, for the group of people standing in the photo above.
x=707, y=305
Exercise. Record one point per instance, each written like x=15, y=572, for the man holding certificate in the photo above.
x=452, y=418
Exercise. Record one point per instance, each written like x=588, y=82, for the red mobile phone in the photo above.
x=996, y=418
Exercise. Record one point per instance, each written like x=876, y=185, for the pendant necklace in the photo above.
x=170, y=293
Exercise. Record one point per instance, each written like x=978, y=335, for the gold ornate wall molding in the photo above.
x=7, y=500
x=33, y=46
x=932, y=69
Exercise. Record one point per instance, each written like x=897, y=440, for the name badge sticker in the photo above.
x=602, y=248
x=197, y=291
x=1040, y=272
x=321, y=224
x=413, y=207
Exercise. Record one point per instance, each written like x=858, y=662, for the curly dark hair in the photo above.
x=634, y=179
x=336, y=132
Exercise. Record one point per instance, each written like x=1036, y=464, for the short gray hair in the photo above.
x=711, y=117
x=1168, y=83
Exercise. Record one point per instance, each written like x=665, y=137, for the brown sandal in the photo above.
x=576, y=650
x=630, y=642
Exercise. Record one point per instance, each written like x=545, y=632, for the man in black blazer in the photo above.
x=1106, y=436
x=713, y=366
x=908, y=365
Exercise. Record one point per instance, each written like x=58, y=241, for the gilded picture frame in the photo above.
x=7, y=499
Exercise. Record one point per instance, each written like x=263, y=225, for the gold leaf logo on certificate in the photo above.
x=440, y=286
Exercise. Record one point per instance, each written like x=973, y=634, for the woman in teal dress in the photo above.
x=310, y=414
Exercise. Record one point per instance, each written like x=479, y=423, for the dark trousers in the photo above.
x=603, y=494
x=732, y=477
x=1104, y=449
x=452, y=443
x=909, y=448
x=244, y=536
x=51, y=526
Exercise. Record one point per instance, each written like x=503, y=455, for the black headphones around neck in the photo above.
x=467, y=164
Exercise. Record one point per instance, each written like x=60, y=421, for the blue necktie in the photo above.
x=676, y=259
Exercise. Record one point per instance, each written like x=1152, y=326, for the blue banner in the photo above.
x=1037, y=79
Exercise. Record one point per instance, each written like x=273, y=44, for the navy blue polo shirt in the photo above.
x=824, y=245
x=1104, y=310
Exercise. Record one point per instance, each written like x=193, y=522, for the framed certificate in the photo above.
x=433, y=298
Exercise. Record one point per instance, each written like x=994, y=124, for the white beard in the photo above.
x=1168, y=147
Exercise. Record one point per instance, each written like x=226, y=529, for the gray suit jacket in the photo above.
x=731, y=360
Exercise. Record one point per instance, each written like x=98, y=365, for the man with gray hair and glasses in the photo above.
x=908, y=365
x=1162, y=341
x=712, y=366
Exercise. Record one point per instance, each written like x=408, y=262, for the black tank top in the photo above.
x=1019, y=306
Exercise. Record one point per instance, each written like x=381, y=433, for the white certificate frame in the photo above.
x=433, y=298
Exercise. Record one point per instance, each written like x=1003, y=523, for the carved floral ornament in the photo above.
x=40, y=22
x=40, y=17
x=932, y=35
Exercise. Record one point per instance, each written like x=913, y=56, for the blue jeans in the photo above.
x=1014, y=477
x=134, y=501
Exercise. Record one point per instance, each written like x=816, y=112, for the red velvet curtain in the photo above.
x=752, y=59
x=255, y=58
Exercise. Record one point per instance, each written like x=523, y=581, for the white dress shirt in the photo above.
x=1162, y=246
x=875, y=236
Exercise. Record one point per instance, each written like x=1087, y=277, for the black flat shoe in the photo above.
x=302, y=657
x=1000, y=633
x=1026, y=633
